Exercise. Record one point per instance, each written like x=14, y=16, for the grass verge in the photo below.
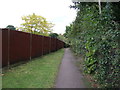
x=88, y=79
x=37, y=73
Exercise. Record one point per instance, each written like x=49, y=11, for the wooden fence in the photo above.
x=16, y=46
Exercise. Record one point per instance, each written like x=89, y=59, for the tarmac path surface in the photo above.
x=69, y=76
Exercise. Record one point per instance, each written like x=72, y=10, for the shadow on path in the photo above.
x=69, y=76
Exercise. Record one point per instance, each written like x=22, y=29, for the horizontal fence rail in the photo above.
x=16, y=46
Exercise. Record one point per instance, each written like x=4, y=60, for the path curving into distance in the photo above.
x=69, y=76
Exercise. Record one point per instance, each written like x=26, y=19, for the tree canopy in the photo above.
x=54, y=35
x=36, y=24
x=11, y=27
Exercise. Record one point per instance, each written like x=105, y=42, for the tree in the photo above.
x=36, y=24
x=11, y=27
x=68, y=31
x=54, y=35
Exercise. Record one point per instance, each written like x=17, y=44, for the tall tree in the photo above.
x=36, y=24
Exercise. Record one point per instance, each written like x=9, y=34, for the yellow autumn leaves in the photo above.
x=36, y=24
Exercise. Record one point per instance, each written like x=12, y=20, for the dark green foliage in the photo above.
x=97, y=37
x=54, y=35
x=116, y=11
x=66, y=45
x=11, y=27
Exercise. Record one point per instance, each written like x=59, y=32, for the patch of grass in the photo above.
x=38, y=73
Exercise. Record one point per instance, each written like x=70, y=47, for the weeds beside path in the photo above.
x=38, y=73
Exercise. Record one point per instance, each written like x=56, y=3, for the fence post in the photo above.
x=30, y=46
x=8, y=48
x=50, y=45
x=42, y=45
x=56, y=44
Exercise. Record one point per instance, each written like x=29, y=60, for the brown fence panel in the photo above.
x=0, y=48
x=4, y=47
x=53, y=46
x=37, y=45
x=46, y=45
x=61, y=44
x=58, y=44
x=19, y=46
x=50, y=50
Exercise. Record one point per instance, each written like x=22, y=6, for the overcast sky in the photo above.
x=55, y=11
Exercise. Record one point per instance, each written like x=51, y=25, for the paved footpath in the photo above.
x=69, y=76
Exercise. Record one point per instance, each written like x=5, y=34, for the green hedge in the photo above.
x=96, y=36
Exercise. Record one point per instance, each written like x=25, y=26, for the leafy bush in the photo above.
x=11, y=27
x=96, y=36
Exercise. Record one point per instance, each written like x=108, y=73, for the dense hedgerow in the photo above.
x=96, y=36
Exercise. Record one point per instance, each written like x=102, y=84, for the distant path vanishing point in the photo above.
x=69, y=76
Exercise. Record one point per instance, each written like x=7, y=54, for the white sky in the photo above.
x=55, y=11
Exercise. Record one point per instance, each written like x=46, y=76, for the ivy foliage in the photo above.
x=97, y=37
